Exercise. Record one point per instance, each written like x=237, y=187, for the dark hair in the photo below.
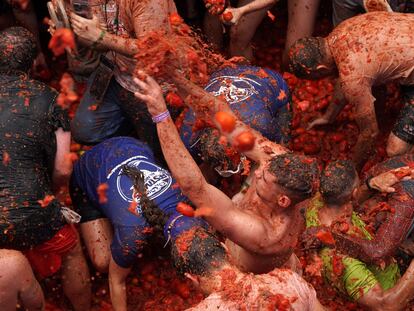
x=337, y=180
x=197, y=251
x=305, y=56
x=152, y=213
x=17, y=49
x=214, y=153
x=298, y=174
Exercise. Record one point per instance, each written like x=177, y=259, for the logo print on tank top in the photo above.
x=235, y=89
x=157, y=180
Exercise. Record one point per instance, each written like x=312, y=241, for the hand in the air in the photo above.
x=150, y=93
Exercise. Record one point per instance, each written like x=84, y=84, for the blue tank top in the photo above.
x=256, y=95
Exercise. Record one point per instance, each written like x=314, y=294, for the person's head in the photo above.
x=218, y=154
x=17, y=49
x=338, y=182
x=286, y=179
x=309, y=58
x=198, y=253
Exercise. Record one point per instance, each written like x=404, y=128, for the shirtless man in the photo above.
x=205, y=263
x=263, y=226
x=378, y=288
x=367, y=50
x=124, y=21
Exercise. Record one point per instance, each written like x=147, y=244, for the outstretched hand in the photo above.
x=150, y=93
x=384, y=182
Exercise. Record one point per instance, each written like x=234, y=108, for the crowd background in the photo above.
x=154, y=284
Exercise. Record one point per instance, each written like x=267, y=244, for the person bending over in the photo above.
x=355, y=50
x=259, y=97
x=262, y=228
x=373, y=286
x=34, y=144
x=107, y=188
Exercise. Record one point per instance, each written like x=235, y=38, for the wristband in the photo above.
x=161, y=117
x=101, y=36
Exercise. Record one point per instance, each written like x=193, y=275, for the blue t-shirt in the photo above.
x=258, y=96
x=103, y=164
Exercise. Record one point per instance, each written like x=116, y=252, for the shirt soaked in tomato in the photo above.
x=133, y=19
x=259, y=97
x=103, y=165
x=280, y=289
x=29, y=117
x=373, y=48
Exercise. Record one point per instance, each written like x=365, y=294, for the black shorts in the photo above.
x=82, y=205
x=404, y=127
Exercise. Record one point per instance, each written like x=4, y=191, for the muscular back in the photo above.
x=375, y=47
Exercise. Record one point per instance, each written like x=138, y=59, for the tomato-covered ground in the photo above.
x=153, y=284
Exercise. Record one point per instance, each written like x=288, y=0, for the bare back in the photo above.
x=375, y=48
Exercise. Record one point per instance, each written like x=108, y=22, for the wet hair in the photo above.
x=198, y=251
x=213, y=152
x=152, y=213
x=337, y=181
x=298, y=174
x=305, y=56
x=17, y=49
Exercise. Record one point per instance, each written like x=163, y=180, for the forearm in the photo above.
x=124, y=46
x=257, y=5
x=181, y=164
x=337, y=104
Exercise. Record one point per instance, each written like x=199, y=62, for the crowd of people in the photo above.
x=196, y=157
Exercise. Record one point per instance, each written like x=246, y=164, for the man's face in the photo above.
x=266, y=187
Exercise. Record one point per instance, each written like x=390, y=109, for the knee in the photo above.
x=101, y=262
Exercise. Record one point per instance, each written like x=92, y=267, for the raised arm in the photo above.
x=245, y=229
x=205, y=105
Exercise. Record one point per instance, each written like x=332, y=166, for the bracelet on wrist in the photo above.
x=101, y=36
x=161, y=117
